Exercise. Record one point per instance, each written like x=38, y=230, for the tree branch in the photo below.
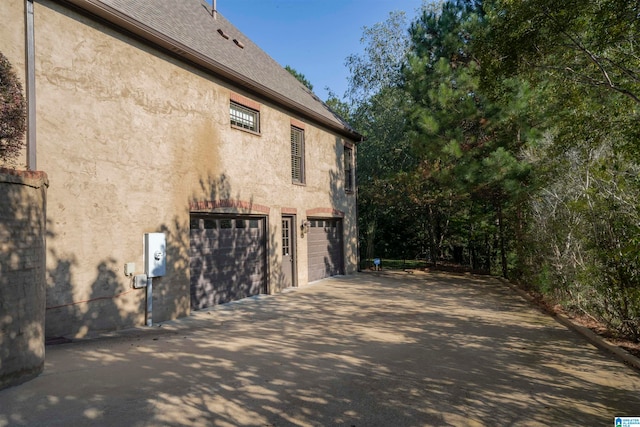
x=608, y=82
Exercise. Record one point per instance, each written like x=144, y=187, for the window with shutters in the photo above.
x=244, y=117
x=297, y=155
x=348, y=169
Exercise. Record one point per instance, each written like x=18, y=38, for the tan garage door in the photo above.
x=325, y=248
x=228, y=259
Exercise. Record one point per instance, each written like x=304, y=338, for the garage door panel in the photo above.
x=325, y=249
x=227, y=260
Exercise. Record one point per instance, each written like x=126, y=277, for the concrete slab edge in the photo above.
x=595, y=339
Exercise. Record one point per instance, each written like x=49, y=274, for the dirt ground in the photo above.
x=599, y=328
x=373, y=349
x=630, y=346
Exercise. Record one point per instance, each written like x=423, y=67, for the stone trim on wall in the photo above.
x=297, y=123
x=289, y=211
x=35, y=179
x=228, y=206
x=331, y=212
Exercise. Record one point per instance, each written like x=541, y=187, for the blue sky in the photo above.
x=312, y=36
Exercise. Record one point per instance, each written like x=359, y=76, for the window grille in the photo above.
x=244, y=117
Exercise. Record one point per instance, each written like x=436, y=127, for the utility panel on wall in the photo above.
x=155, y=254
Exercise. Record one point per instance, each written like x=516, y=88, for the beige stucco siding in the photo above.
x=113, y=135
x=12, y=34
x=132, y=139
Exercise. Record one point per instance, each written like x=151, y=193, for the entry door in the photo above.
x=288, y=251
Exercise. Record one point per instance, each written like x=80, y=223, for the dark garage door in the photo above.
x=228, y=259
x=325, y=248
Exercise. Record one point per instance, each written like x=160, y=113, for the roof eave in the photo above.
x=159, y=39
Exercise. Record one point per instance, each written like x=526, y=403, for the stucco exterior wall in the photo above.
x=132, y=140
x=12, y=34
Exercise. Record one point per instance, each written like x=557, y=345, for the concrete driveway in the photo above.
x=376, y=349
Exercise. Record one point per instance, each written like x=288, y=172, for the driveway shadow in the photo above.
x=365, y=350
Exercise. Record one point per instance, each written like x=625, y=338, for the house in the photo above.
x=159, y=116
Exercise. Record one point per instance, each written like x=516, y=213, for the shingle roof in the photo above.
x=193, y=30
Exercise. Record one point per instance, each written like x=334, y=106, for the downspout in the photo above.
x=355, y=182
x=31, y=85
x=149, y=310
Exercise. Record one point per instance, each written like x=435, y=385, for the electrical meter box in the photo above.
x=155, y=254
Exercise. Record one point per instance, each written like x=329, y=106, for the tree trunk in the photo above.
x=503, y=254
x=371, y=235
x=433, y=238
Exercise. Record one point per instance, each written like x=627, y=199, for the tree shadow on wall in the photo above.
x=110, y=303
x=343, y=234
x=22, y=283
x=170, y=293
x=225, y=258
x=106, y=301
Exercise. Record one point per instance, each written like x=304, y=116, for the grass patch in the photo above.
x=395, y=264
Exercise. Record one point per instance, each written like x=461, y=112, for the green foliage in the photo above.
x=12, y=113
x=385, y=156
x=301, y=77
x=385, y=48
x=583, y=222
x=583, y=52
x=584, y=236
x=467, y=144
x=338, y=106
x=396, y=264
x=504, y=136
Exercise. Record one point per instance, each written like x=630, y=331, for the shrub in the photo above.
x=12, y=113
